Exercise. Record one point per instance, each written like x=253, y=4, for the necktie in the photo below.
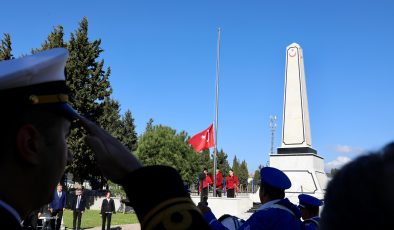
x=59, y=194
x=78, y=200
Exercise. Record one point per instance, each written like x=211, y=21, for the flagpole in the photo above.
x=216, y=114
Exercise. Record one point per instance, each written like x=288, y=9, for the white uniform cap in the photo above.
x=34, y=69
x=36, y=80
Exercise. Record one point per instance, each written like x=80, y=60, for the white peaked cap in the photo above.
x=36, y=79
x=34, y=69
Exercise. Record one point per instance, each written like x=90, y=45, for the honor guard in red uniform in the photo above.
x=219, y=183
x=231, y=184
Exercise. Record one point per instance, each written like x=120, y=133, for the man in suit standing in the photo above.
x=78, y=205
x=57, y=207
x=107, y=208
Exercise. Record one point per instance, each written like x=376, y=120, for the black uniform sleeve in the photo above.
x=164, y=204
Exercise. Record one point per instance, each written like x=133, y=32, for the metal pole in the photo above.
x=216, y=116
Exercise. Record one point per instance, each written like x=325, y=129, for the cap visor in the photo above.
x=69, y=112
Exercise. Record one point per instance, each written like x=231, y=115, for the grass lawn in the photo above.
x=92, y=218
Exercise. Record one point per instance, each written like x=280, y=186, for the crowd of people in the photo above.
x=50, y=215
x=36, y=119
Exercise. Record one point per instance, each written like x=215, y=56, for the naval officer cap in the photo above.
x=36, y=81
x=275, y=178
x=306, y=201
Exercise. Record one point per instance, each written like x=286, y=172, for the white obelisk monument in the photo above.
x=296, y=157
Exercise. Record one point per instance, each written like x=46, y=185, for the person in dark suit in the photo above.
x=57, y=207
x=107, y=208
x=78, y=205
x=35, y=120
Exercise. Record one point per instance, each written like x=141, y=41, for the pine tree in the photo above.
x=149, y=125
x=90, y=86
x=6, y=49
x=222, y=162
x=243, y=174
x=256, y=177
x=235, y=166
x=54, y=40
x=128, y=136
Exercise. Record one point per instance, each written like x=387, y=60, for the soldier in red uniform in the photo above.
x=205, y=181
x=231, y=184
x=219, y=183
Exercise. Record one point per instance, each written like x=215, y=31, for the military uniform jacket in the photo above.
x=281, y=215
x=232, y=183
x=219, y=180
x=311, y=224
x=167, y=208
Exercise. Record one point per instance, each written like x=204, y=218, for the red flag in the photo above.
x=203, y=140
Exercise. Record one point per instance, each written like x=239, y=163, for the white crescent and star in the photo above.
x=292, y=52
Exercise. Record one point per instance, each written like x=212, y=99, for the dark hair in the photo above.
x=360, y=196
x=272, y=192
x=314, y=210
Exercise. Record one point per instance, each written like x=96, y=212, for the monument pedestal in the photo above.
x=306, y=173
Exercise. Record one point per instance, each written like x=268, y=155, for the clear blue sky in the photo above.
x=163, y=56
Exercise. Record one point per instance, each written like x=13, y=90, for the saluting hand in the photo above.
x=113, y=158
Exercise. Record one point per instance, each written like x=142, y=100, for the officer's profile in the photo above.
x=35, y=121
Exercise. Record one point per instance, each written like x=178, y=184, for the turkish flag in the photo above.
x=203, y=140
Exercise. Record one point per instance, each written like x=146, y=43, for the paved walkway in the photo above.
x=120, y=227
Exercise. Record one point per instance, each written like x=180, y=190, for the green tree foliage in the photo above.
x=205, y=160
x=109, y=119
x=54, y=40
x=222, y=162
x=235, y=166
x=333, y=172
x=90, y=92
x=243, y=174
x=162, y=145
x=6, y=49
x=149, y=125
x=89, y=85
x=256, y=176
x=128, y=136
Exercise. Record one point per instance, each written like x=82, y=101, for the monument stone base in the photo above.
x=306, y=173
